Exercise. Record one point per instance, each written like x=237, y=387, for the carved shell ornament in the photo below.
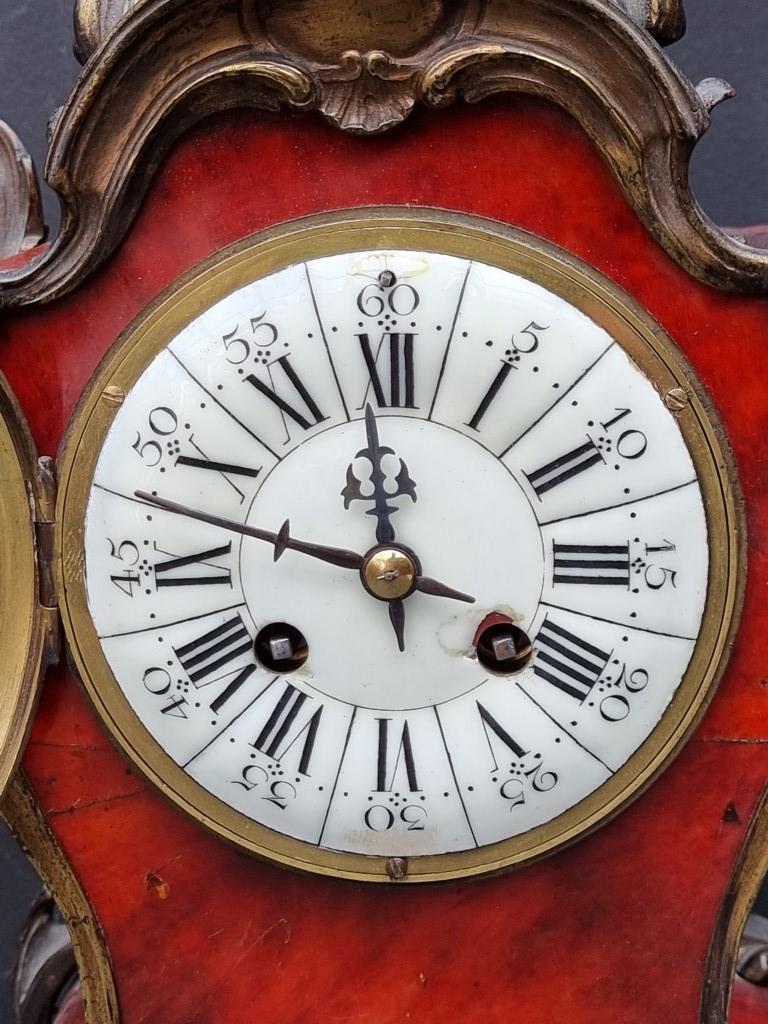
x=368, y=92
x=364, y=67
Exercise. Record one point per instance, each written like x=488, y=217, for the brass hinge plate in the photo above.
x=44, y=517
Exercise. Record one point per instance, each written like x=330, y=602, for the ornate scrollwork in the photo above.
x=21, y=219
x=163, y=64
x=664, y=19
x=95, y=19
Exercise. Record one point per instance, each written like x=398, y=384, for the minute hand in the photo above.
x=281, y=540
x=336, y=556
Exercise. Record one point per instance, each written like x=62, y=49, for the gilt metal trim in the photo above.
x=24, y=817
x=21, y=217
x=747, y=877
x=156, y=67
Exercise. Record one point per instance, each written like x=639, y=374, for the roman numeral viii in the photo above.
x=209, y=657
x=599, y=564
x=568, y=662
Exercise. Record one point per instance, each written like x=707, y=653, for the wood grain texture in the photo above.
x=615, y=928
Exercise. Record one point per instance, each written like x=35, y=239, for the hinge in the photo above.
x=45, y=519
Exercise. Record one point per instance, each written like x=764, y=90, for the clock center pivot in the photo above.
x=389, y=573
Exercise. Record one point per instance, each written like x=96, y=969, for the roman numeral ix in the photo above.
x=165, y=571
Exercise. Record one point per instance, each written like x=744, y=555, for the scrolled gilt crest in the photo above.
x=21, y=220
x=364, y=59
x=155, y=67
x=664, y=19
x=95, y=19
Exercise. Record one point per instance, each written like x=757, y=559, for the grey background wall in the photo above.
x=725, y=38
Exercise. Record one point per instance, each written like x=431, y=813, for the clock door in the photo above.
x=28, y=616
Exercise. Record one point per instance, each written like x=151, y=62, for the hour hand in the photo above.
x=381, y=497
x=397, y=618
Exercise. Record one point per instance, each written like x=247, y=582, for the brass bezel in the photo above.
x=22, y=625
x=460, y=235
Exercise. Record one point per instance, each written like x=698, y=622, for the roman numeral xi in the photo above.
x=308, y=416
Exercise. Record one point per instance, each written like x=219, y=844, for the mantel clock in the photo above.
x=408, y=419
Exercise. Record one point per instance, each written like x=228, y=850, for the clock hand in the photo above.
x=397, y=618
x=385, y=533
x=335, y=556
x=281, y=540
x=426, y=585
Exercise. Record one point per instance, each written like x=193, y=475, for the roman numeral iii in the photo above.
x=597, y=564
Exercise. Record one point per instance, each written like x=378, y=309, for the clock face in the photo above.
x=397, y=550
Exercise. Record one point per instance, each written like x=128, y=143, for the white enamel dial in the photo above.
x=527, y=463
